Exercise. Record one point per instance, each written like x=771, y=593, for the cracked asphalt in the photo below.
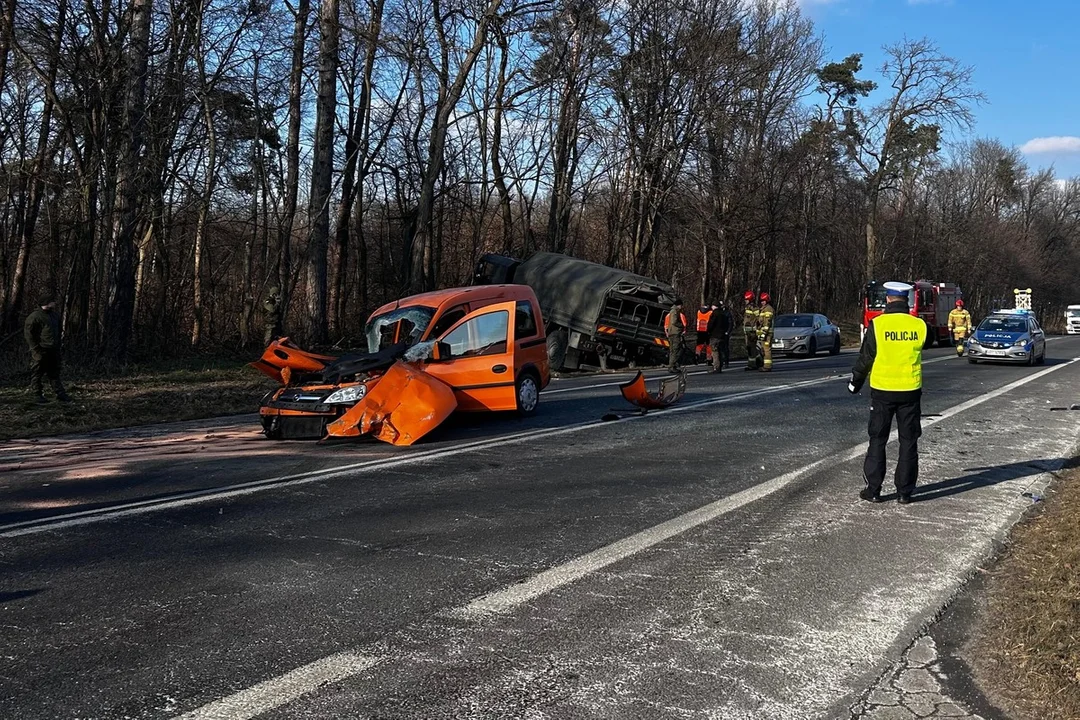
x=710, y=562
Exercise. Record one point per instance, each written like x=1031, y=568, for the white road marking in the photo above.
x=268, y=695
x=519, y=593
x=274, y=693
x=142, y=507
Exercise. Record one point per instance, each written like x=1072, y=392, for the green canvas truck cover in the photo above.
x=572, y=292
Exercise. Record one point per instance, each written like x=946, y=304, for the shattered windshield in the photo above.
x=383, y=331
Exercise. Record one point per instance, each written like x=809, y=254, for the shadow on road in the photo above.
x=18, y=594
x=986, y=476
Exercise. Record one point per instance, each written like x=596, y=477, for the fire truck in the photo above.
x=928, y=300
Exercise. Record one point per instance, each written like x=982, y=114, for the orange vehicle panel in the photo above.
x=406, y=404
x=481, y=365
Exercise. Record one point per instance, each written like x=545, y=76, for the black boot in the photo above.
x=870, y=495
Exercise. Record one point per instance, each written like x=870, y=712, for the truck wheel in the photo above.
x=558, y=341
x=528, y=393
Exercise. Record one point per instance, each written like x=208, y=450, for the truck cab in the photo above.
x=1072, y=320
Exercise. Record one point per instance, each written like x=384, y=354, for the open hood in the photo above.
x=282, y=354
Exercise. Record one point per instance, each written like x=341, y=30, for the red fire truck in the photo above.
x=930, y=301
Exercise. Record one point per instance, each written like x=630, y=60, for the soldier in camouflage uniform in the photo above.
x=42, y=333
x=675, y=326
x=750, y=330
x=272, y=315
x=765, y=330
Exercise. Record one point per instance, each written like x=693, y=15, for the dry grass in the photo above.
x=189, y=390
x=1027, y=643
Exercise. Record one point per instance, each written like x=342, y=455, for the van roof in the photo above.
x=437, y=298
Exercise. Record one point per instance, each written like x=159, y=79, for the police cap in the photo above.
x=897, y=289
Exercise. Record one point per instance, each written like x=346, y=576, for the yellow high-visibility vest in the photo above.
x=898, y=363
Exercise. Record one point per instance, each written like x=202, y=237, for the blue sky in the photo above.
x=1025, y=54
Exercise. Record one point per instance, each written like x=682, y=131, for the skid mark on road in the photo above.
x=515, y=595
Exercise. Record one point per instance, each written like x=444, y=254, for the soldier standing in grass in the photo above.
x=42, y=332
x=272, y=316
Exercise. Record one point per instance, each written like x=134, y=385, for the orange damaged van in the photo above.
x=486, y=343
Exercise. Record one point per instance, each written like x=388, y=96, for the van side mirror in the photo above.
x=440, y=351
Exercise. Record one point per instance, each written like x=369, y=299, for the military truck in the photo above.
x=594, y=314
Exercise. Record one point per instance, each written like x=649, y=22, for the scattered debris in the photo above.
x=671, y=390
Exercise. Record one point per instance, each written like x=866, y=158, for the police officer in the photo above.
x=891, y=357
x=959, y=326
x=272, y=315
x=42, y=333
x=765, y=330
x=718, y=331
x=675, y=326
x=750, y=329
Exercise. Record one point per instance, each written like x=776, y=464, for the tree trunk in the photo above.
x=292, y=154
x=417, y=230
x=120, y=312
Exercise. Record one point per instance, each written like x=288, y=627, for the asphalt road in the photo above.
x=712, y=560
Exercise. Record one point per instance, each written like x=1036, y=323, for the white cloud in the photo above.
x=1056, y=144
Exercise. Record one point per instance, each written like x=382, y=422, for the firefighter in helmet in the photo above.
x=750, y=329
x=959, y=326
x=765, y=330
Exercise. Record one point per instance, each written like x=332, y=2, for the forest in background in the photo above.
x=164, y=163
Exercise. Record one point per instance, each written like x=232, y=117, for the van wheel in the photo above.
x=272, y=429
x=528, y=393
x=558, y=342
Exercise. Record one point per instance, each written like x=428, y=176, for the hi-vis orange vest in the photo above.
x=667, y=320
x=703, y=320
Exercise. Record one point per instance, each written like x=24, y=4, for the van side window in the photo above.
x=524, y=320
x=447, y=321
x=483, y=335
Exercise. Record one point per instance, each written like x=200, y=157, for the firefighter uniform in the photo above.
x=701, y=350
x=765, y=331
x=891, y=358
x=750, y=331
x=675, y=327
x=959, y=327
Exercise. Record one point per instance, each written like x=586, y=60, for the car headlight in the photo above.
x=346, y=395
x=797, y=338
x=1021, y=342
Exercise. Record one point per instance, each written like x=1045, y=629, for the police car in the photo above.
x=1008, y=336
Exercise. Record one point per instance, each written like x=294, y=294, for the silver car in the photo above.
x=805, y=334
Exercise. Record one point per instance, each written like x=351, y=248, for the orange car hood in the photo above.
x=282, y=354
x=403, y=406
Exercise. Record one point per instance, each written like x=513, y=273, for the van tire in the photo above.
x=558, y=342
x=527, y=392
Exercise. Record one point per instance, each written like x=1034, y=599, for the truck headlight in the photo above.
x=346, y=395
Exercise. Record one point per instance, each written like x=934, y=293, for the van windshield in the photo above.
x=382, y=331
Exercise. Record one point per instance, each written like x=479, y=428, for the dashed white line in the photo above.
x=274, y=693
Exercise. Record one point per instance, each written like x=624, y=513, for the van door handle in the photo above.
x=498, y=369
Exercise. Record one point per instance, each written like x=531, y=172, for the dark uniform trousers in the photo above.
x=45, y=363
x=906, y=408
